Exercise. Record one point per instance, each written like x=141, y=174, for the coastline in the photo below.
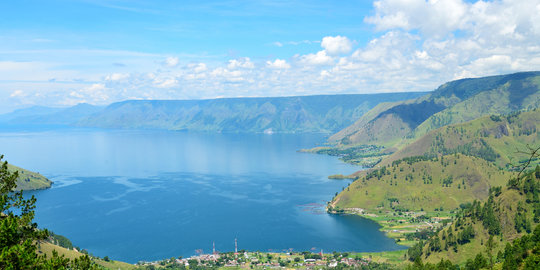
x=398, y=227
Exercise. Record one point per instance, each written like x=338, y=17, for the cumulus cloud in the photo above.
x=436, y=19
x=336, y=45
x=431, y=17
x=96, y=93
x=278, y=64
x=317, y=59
x=455, y=38
x=243, y=62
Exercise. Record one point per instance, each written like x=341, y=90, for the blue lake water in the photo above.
x=150, y=195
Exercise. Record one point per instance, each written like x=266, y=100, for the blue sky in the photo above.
x=218, y=29
x=60, y=53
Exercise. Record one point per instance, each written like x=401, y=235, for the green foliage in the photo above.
x=19, y=235
x=17, y=232
x=495, y=118
x=488, y=217
x=476, y=237
x=60, y=240
x=523, y=252
x=414, y=159
x=481, y=150
x=350, y=153
x=415, y=252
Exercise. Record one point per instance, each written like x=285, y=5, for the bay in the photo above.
x=149, y=195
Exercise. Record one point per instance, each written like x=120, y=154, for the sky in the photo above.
x=60, y=53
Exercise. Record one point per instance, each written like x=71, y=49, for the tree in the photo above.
x=490, y=246
x=19, y=235
x=17, y=231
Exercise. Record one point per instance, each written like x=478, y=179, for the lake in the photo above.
x=150, y=195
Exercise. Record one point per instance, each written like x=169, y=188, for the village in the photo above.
x=264, y=260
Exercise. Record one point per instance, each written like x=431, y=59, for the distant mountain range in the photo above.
x=300, y=114
x=40, y=115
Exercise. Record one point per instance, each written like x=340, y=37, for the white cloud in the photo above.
x=336, y=45
x=18, y=93
x=243, y=62
x=515, y=19
x=278, y=64
x=317, y=59
x=171, y=62
x=117, y=76
x=96, y=93
x=166, y=82
x=431, y=17
x=200, y=67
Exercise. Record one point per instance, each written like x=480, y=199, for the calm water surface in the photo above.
x=149, y=195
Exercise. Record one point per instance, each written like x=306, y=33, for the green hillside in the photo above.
x=493, y=138
x=447, y=167
x=454, y=102
x=496, y=232
x=455, y=189
x=365, y=119
x=422, y=184
x=29, y=180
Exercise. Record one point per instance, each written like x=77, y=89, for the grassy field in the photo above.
x=47, y=249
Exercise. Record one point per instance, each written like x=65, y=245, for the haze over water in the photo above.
x=150, y=195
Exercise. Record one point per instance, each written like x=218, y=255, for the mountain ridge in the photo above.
x=295, y=114
x=453, y=102
x=299, y=114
